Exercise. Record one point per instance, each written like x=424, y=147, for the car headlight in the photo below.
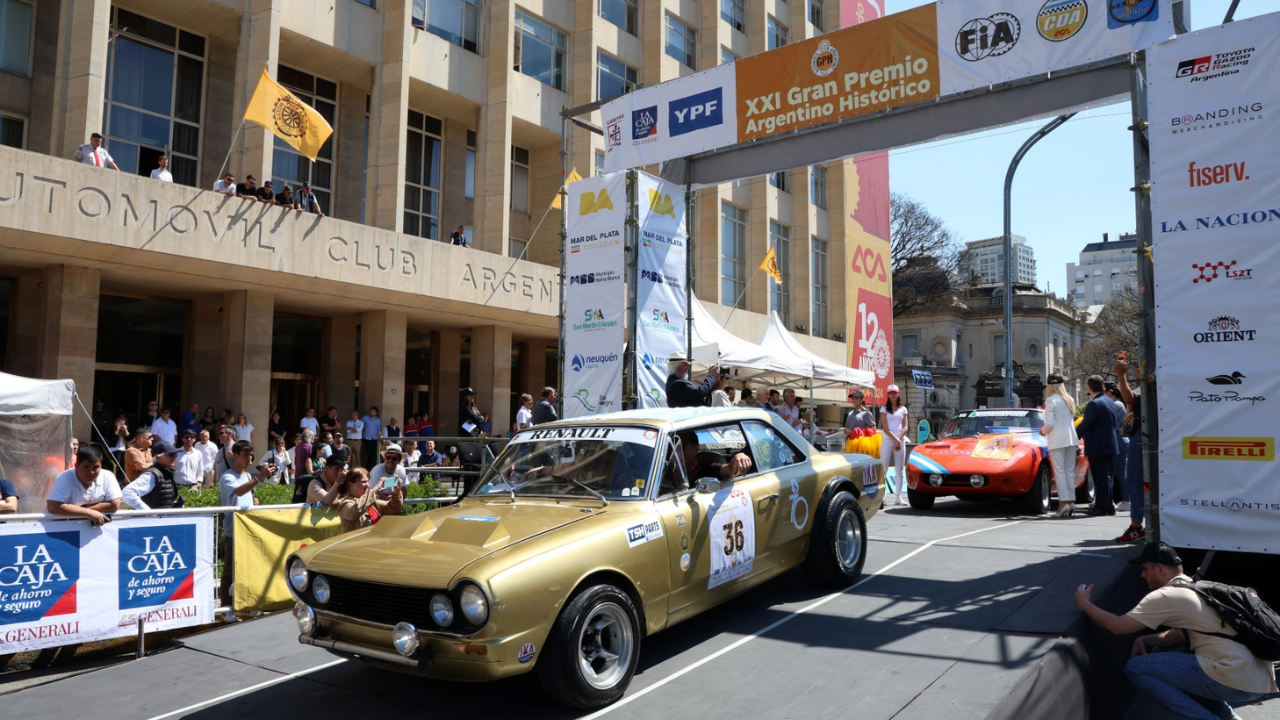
x=306, y=619
x=475, y=606
x=977, y=480
x=935, y=480
x=405, y=638
x=297, y=575
x=320, y=590
x=441, y=610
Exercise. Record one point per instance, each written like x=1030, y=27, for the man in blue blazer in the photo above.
x=1098, y=431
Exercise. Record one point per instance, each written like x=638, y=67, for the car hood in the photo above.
x=431, y=548
x=995, y=447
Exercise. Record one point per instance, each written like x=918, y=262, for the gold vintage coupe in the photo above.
x=583, y=537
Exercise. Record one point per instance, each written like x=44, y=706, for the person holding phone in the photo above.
x=359, y=505
x=390, y=473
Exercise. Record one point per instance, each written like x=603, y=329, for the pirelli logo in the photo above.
x=1229, y=448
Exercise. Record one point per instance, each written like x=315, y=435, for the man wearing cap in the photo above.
x=545, y=410
x=681, y=392
x=307, y=202
x=469, y=415
x=390, y=467
x=1199, y=684
x=156, y=488
x=285, y=197
x=859, y=418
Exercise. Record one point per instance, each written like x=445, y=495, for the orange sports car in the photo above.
x=989, y=454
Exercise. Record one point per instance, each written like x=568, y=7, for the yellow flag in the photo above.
x=770, y=266
x=290, y=119
x=573, y=178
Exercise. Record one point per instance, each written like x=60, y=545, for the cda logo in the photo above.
x=1060, y=20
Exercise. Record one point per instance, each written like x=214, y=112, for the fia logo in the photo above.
x=589, y=202
x=992, y=36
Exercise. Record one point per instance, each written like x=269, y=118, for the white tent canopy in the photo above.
x=27, y=396
x=778, y=339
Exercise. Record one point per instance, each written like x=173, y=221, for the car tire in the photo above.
x=592, y=650
x=1085, y=493
x=1036, y=500
x=838, y=548
x=919, y=500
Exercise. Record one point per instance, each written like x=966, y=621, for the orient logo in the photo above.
x=1216, y=117
x=993, y=36
x=1206, y=175
x=1225, y=328
x=1209, y=272
x=1253, y=449
x=870, y=263
x=1060, y=20
x=1211, y=67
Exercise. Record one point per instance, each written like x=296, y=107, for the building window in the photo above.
x=818, y=186
x=910, y=346
x=733, y=254
x=780, y=293
x=734, y=12
x=15, y=36
x=422, y=176
x=614, y=77
x=682, y=42
x=815, y=14
x=818, y=272
x=519, y=179
x=516, y=248
x=779, y=180
x=457, y=21
x=155, y=87
x=13, y=132
x=727, y=56
x=1033, y=350
x=539, y=50
x=289, y=165
x=469, y=184
x=777, y=34
x=997, y=349
x=599, y=162
x=623, y=13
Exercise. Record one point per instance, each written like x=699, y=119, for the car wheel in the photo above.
x=919, y=500
x=1036, y=500
x=839, y=544
x=1085, y=493
x=592, y=650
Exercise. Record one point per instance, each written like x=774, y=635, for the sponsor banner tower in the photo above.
x=661, y=280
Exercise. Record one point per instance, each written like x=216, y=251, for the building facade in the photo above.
x=983, y=260
x=446, y=113
x=1105, y=270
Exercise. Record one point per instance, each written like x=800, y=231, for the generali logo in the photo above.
x=1252, y=449
x=1207, y=175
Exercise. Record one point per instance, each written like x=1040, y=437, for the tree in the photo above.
x=925, y=256
x=1116, y=328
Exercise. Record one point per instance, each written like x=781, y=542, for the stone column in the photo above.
x=259, y=47
x=205, y=367
x=491, y=374
x=80, y=73
x=69, y=340
x=382, y=338
x=446, y=353
x=339, y=368
x=248, y=319
x=533, y=369
x=28, y=325
x=388, y=111
x=493, y=154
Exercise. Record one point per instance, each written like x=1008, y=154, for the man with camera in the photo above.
x=681, y=392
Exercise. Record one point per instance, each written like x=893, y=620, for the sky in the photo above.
x=1072, y=187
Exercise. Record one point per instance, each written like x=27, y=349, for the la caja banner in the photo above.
x=67, y=582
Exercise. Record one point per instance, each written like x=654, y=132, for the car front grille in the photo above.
x=379, y=603
x=953, y=481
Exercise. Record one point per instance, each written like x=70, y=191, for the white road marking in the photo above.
x=251, y=688
x=811, y=606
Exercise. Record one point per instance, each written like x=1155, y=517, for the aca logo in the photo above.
x=589, y=202
x=1060, y=20
x=661, y=204
x=157, y=565
x=870, y=263
x=644, y=123
x=993, y=36
x=38, y=575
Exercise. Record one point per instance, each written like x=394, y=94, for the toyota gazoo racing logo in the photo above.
x=1060, y=20
x=825, y=59
x=590, y=362
x=1122, y=13
x=1208, y=272
x=1210, y=67
x=1225, y=328
x=992, y=36
x=1216, y=117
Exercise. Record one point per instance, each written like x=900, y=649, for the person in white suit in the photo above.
x=1060, y=430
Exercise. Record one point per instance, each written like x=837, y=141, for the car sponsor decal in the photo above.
x=870, y=480
x=527, y=652
x=733, y=536
x=799, y=507
x=478, y=518
x=681, y=520
x=926, y=464
x=997, y=413
x=637, y=435
x=642, y=533
x=993, y=447
x=684, y=541
x=684, y=562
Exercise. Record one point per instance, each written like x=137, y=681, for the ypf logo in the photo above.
x=1060, y=20
x=589, y=202
x=825, y=59
x=695, y=112
x=870, y=263
x=992, y=36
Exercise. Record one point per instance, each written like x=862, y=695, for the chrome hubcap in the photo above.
x=848, y=539
x=605, y=646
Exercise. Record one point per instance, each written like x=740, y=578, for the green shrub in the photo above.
x=270, y=494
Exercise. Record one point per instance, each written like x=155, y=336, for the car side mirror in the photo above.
x=709, y=486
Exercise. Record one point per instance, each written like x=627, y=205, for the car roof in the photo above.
x=669, y=418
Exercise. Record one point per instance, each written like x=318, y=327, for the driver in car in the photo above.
x=740, y=464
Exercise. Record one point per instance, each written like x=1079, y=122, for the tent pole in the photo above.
x=688, y=258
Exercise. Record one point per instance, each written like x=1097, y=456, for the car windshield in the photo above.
x=974, y=422
x=612, y=463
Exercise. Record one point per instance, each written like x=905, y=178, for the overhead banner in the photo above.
x=911, y=57
x=662, y=322
x=1216, y=215
x=67, y=582
x=594, y=301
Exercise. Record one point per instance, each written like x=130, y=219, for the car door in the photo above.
x=786, y=468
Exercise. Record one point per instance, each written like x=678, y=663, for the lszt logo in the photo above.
x=589, y=202
x=644, y=123
x=992, y=36
x=1060, y=20
x=696, y=112
x=1210, y=272
x=661, y=204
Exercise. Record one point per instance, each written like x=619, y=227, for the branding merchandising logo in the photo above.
x=594, y=319
x=1123, y=13
x=992, y=36
x=591, y=362
x=1060, y=20
x=1252, y=449
x=1212, y=67
x=659, y=278
x=1212, y=271
x=1206, y=175
x=644, y=124
x=695, y=112
x=1211, y=222
x=825, y=59
x=1216, y=118
x=38, y=575
x=1227, y=396
x=156, y=565
x=1225, y=328
x=660, y=320
x=599, y=276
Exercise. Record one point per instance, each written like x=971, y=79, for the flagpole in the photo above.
x=234, y=137
x=744, y=292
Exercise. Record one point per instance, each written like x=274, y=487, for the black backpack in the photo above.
x=1257, y=626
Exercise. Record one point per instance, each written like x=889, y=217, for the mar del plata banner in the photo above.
x=67, y=582
x=1215, y=198
x=662, y=275
x=594, y=299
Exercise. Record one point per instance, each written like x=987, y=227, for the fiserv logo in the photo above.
x=1253, y=449
x=696, y=112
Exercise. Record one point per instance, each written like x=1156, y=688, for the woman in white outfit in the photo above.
x=1060, y=430
x=893, y=447
x=720, y=398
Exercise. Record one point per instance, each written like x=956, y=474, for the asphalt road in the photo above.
x=955, y=605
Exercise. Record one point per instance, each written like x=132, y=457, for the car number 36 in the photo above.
x=733, y=540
